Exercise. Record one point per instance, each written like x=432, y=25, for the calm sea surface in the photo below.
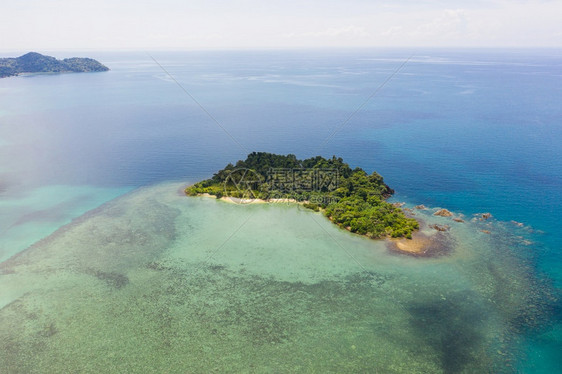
x=470, y=130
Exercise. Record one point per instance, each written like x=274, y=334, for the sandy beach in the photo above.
x=237, y=200
x=421, y=244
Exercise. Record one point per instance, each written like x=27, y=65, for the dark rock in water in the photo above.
x=112, y=279
x=408, y=212
x=421, y=207
x=485, y=216
x=458, y=220
x=443, y=213
x=452, y=326
x=440, y=227
x=49, y=330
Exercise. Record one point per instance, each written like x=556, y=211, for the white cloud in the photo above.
x=353, y=31
x=393, y=31
x=347, y=31
x=142, y=24
x=450, y=23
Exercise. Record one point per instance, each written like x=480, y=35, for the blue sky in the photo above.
x=247, y=24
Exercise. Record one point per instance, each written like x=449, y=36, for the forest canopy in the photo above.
x=350, y=198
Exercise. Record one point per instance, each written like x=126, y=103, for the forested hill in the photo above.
x=351, y=198
x=34, y=62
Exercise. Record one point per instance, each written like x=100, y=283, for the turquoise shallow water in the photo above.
x=157, y=281
x=472, y=131
x=37, y=214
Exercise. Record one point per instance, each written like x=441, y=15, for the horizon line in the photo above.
x=250, y=49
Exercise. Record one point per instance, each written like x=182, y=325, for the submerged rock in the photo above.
x=440, y=227
x=458, y=220
x=421, y=207
x=112, y=279
x=443, y=213
x=485, y=216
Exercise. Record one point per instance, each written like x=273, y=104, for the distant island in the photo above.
x=350, y=198
x=34, y=62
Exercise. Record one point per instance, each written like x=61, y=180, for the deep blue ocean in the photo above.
x=469, y=130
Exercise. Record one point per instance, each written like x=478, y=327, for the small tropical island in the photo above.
x=34, y=62
x=350, y=198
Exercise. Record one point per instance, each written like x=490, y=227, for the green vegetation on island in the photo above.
x=351, y=198
x=34, y=62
